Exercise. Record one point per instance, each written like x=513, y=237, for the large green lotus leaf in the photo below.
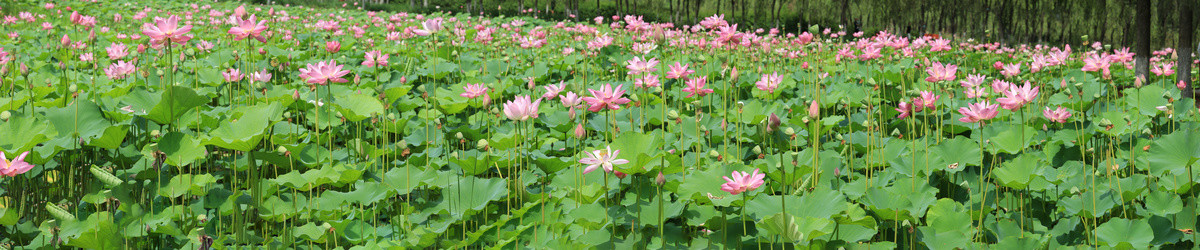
x=1125, y=233
x=472, y=162
x=167, y=106
x=111, y=138
x=822, y=204
x=82, y=118
x=1172, y=153
x=471, y=194
x=961, y=151
x=186, y=183
x=244, y=132
x=97, y=232
x=792, y=228
x=312, y=232
x=640, y=149
x=1090, y=203
x=1163, y=203
x=1145, y=99
x=649, y=211
x=181, y=149
x=357, y=107
x=934, y=239
x=23, y=133
x=1017, y=173
x=1012, y=140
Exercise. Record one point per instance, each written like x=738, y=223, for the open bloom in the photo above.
x=375, y=57
x=977, y=112
x=904, y=108
x=473, y=90
x=323, y=72
x=119, y=70
x=333, y=46
x=742, y=182
x=973, y=80
x=1016, y=97
x=639, y=66
x=16, y=166
x=1058, y=115
x=646, y=81
x=1010, y=70
x=1163, y=69
x=678, y=71
x=232, y=75
x=606, y=98
x=522, y=108
x=248, y=28
x=939, y=72
x=552, y=90
x=602, y=158
x=116, y=51
x=928, y=99
x=429, y=27
x=166, y=30
x=259, y=76
x=770, y=82
x=695, y=86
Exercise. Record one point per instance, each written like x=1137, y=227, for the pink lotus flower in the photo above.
x=552, y=90
x=695, y=86
x=679, y=71
x=646, y=81
x=375, y=57
x=814, y=109
x=639, y=66
x=474, y=90
x=1010, y=70
x=1095, y=62
x=248, y=28
x=522, y=108
x=973, y=80
x=323, y=72
x=904, y=108
x=232, y=75
x=1058, y=115
x=166, y=30
x=16, y=166
x=1181, y=85
x=333, y=46
x=570, y=99
x=769, y=82
x=1016, y=97
x=938, y=72
x=939, y=45
x=602, y=158
x=1163, y=69
x=974, y=92
x=259, y=76
x=116, y=51
x=119, y=70
x=1000, y=86
x=606, y=98
x=742, y=182
x=928, y=99
x=978, y=112
x=429, y=27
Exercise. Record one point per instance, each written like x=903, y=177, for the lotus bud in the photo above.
x=773, y=123
x=482, y=144
x=295, y=95
x=814, y=109
x=24, y=69
x=733, y=74
x=660, y=179
x=579, y=131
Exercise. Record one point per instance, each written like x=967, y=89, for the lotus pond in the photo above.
x=140, y=124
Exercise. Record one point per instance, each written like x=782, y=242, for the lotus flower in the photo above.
x=1058, y=115
x=770, y=82
x=678, y=71
x=375, y=57
x=474, y=90
x=429, y=27
x=742, y=182
x=928, y=99
x=522, y=108
x=323, y=72
x=248, y=28
x=904, y=108
x=602, y=158
x=166, y=30
x=639, y=66
x=938, y=72
x=116, y=51
x=1016, y=97
x=16, y=166
x=260, y=76
x=553, y=90
x=232, y=75
x=119, y=70
x=333, y=46
x=647, y=81
x=977, y=112
x=695, y=86
x=606, y=98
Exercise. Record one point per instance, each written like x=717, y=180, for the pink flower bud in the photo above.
x=814, y=109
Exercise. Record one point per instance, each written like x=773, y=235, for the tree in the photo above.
x=1183, y=67
x=1142, y=58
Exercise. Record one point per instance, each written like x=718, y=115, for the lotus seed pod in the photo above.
x=1104, y=122
x=1146, y=131
x=657, y=89
x=454, y=154
x=159, y=72
x=1096, y=95
x=895, y=132
x=402, y=143
x=155, y=133
x=838, y=136
x=713, y=153
x=789, y=131
x=495, y=110
x=391, y=116
x=673, y=114
x=72, y=88
x=421, y=88
x=5, y=115
x=281, y=150
x=458, y=135
x=757, y=150
x=482, y=144
x=804, y=119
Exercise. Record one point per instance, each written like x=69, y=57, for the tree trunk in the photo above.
x=1183, y=69
x=1142, y=58
x=845, y=13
